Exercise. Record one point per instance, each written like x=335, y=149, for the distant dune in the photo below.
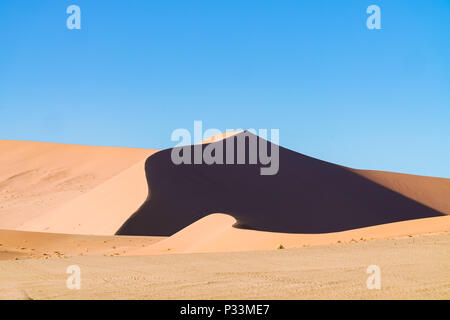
x=306, y=196
x=69, y=188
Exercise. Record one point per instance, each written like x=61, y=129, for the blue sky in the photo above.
x=137, y=70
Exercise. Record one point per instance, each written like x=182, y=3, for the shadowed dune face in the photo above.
x=305, y=196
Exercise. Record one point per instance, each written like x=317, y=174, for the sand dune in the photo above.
x=46, y=186
x=94, y=190
x=306, y=196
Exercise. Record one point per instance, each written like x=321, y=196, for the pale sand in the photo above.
x=411, y=268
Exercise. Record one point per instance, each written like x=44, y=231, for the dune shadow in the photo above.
x=307, y=195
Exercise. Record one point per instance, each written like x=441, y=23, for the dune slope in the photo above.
x=47, y=186
x=430, y=191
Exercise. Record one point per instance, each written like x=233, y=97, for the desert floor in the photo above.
x=416, y=267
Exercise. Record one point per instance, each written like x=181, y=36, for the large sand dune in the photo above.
x=306, y=196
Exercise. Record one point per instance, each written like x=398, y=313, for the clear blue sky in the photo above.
x=137, y=70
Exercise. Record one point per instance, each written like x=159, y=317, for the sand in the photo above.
x=411, y=268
